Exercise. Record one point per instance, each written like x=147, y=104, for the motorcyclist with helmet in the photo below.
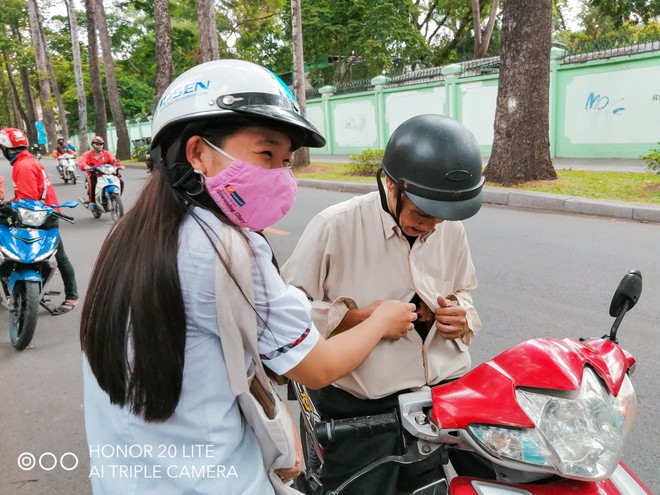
x=406, y=242
x=93, y=158
x=36, y=151
x=60, y=150
x=31, y=182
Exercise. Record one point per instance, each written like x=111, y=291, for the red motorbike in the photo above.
x=545, y=417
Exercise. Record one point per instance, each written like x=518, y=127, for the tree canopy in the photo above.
x=343, y=40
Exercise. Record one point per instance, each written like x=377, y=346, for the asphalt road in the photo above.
x=540, y=275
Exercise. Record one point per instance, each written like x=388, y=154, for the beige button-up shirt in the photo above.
x=352, y=254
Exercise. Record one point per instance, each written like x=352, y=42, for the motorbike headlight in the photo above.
x=578, y=435
x=32, y=218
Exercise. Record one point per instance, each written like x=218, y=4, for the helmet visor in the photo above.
x=447, y=205
x=269, y=106
x=448, y=210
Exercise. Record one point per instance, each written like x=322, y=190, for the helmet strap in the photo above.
x=383, y=198
x=182, y=177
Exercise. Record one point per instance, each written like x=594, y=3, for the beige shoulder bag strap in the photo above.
x=262, y=408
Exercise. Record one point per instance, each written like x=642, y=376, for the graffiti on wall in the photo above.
x=604, y=103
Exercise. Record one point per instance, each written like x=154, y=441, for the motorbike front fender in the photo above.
x=23, y=274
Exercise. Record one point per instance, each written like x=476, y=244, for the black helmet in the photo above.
x=436, y=161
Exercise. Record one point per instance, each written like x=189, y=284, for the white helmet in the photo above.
x=226, y=87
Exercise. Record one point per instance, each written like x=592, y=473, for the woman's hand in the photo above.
x=396, y=317
x=288, y=474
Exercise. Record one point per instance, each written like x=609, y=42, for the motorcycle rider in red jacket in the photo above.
x=31, y=182
x=93, y=158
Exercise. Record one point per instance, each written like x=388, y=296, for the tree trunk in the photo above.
x=19, y=112
x=163, y=32
x=123, y=146
x=208, y=35
x=521, y=145
x=100, y=117
x=53, y=81
x=9, y=101
x=77, y=68
x=30, y=107
x=42, y=74
x=301, y=158
x=481, y=42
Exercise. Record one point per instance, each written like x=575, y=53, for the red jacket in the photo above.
x=91, y=159
x=30, y=179
x=60, y=150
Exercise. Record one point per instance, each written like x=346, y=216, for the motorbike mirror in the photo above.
x=69, y=204
x=627, y=293
x=626, y=296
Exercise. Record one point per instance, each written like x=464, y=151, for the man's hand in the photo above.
x=450, y=319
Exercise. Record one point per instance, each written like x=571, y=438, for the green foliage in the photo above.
x=361, y=38
x=366, y=163
x=140, y=153
x=653, y=160
x=623, y=11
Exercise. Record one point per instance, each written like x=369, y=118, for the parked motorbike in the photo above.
x=107, y=195
x=28, y=242
x=66, y=166
x=548, y=416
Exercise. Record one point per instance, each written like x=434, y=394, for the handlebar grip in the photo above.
x=331, y=431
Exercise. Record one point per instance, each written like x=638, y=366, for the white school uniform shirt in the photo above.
x=205, y=447
x=352, y=254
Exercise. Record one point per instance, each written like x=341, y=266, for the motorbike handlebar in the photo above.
x=328, y=432
x=63, y=216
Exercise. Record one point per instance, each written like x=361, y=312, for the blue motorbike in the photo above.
x=29, y=238
x=107, y=194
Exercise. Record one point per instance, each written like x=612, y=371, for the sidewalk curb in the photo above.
x=525, y=199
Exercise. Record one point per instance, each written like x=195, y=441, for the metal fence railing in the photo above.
x=312, y=93
x=480, y=67
x=582, y=52
x=610, y=47
x=353, y=86
x=613, y=51
x=418, y=76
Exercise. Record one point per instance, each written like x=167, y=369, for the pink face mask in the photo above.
x=252, y=196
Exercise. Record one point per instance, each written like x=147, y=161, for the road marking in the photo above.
x=271, y=230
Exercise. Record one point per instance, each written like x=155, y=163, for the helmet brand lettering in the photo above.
x=186, y=89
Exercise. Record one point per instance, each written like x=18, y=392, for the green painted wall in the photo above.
x=601, y=109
